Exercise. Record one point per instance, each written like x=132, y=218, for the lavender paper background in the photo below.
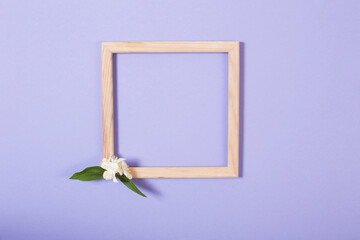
x=301, y=109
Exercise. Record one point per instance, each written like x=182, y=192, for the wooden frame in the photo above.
x=232, y=48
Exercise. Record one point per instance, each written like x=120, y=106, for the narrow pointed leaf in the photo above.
x=129, y=184
x=88, y=174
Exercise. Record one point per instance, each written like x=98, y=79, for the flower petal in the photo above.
x=115, y=179
x=121, y=171
x=124, y=165
x=128, y=174
x=108, y=175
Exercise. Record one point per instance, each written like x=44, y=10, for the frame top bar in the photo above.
x=162, y=47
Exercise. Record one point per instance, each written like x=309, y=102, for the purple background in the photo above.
x=301, y=108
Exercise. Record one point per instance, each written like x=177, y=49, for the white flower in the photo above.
x=114, y=165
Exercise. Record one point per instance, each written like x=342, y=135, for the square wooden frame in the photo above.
x=233, y=50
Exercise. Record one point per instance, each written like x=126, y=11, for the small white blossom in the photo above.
x=114, y=165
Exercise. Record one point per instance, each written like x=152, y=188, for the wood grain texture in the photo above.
x=181, y=172
x=150, y=47
x=233, y=109
x=232, y=48
x=107, y=102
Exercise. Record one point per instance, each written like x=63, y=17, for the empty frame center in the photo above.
x=170, y=109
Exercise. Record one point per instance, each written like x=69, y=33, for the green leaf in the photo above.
x=129, y=184
x=88, y=174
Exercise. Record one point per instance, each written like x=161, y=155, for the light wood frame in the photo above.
x=230, y=47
